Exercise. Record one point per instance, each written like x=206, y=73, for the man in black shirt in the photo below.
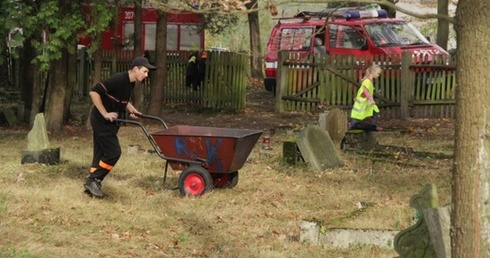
x=111, y=100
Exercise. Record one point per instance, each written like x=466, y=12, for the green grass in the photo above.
x=44, y=212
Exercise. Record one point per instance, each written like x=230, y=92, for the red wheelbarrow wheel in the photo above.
x=195, y=181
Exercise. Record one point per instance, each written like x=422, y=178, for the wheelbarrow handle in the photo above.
x=147, y=134
x=200, y=162
x=153, y=118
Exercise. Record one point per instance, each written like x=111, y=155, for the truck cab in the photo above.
x=359, y=32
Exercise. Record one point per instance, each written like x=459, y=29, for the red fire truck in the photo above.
x=346, y=31
x=182, y=31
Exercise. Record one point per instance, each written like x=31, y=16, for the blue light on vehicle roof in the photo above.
x=382, y=14
x=354, y=14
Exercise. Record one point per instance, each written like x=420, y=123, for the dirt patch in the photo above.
x=259, y=114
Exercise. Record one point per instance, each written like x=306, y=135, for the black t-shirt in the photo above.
x=115, y=93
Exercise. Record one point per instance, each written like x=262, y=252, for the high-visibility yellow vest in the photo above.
x=363, y=108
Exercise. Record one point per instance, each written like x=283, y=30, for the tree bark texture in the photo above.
x=70, y=82
x=97, y=76
x=159, y=79
x=442, y=24
x=56, y=94
x=30, y=87
x=138, y=51
x=390, y=11
x=470, y=227
x=254, y=27
x=97, y=64
x=116, y=40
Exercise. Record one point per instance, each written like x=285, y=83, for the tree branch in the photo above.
x=380, y=2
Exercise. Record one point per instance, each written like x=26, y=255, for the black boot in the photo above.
x=93, y=187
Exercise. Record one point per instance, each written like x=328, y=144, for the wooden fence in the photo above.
x=406, y=88
x=224, y=86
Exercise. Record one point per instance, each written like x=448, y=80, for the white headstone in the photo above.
x=37, y=138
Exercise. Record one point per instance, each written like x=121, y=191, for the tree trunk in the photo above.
x=158, y=84
x=56, y=94
x=137, y=97
x=442, y=24
x=97, y=66
x=29, y=87
x=470, y=229
x=71, y=81
x=116, y=39
x=36, y=94
x=138, y=11
x=97, y=76
x=390, y=11
x=255, y=45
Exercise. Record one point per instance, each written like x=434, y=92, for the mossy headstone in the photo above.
x=415, y=241
x=38, y=150
x=317, y=149
x=9, y=116
x=334, y=121
x=359, y=140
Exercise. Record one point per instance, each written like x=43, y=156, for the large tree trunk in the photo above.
x=71, y=81
x=442, y=24
x=156, y=96
x=138, y=51
x=254, y=27
x=97, y=66
x=30, y=87
x=470, y=230
x=390, y=11
x=56, y=94
x=97, y=76
x=116, y=39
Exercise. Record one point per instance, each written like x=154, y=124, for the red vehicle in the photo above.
x=346, y=31
x=182, y=31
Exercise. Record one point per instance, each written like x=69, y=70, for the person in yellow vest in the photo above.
x=365, y=111
x=192, y=72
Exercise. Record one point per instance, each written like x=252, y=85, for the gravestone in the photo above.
x=38, y=150
x=313, y=233
x=334, y=121
x=9, y=116
x=358, y=139
x=317, y=149
x=439, y=223
x=291, y=153
x=415, y=241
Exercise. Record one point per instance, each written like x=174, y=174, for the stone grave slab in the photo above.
x=38, y=150
x=415, y=241
x=317, y=149
x=334, y=121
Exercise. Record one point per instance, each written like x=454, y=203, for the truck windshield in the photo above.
x=394, y=34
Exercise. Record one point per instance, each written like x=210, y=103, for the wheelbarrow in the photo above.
x=208, y=157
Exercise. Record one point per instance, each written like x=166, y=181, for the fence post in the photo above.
x=280, y=81
x=406, y=84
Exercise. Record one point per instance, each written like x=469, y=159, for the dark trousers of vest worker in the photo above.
x=107, y=150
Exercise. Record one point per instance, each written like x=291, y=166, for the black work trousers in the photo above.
x=107, y=149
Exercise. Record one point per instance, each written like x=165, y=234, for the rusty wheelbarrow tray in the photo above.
x=208, y=156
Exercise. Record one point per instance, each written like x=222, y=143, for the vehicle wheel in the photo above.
x=233, y=179
x=225, y=180
x=195, y=181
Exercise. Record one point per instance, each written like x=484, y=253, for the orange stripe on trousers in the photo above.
x=104, y=165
